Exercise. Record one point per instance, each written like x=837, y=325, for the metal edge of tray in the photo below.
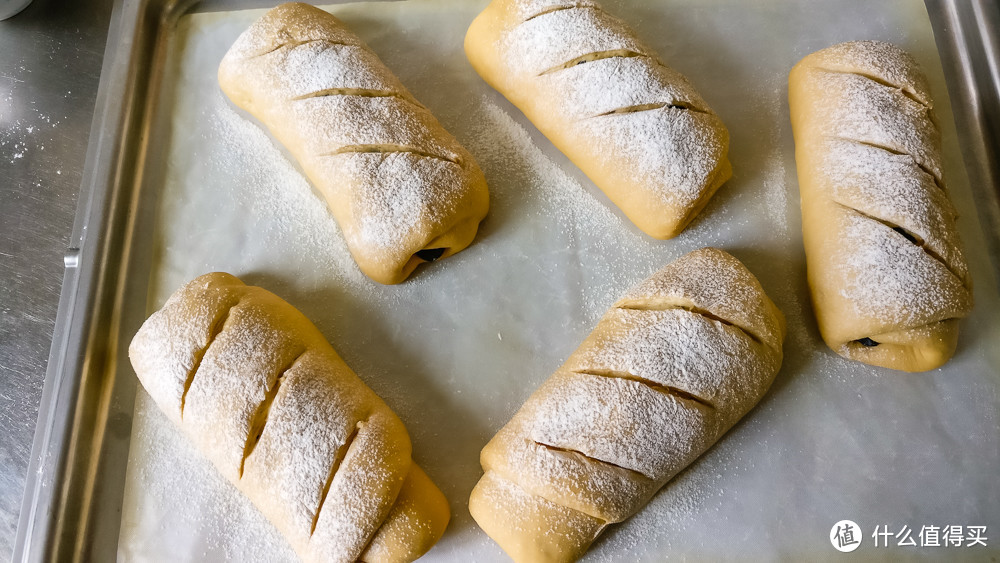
x=76, y=471
x=73, y=414
x=967, y=34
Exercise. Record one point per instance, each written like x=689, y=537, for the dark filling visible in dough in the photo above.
x=430, y=254
x=867, y=342
x=909, y=236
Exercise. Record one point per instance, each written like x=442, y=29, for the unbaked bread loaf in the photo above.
x=884, y=261
x=265, y=398
x=666, y=372
x=636, y=127
x=401, y=187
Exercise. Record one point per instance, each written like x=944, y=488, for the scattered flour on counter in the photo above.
x=20, y=136
x=14, y=141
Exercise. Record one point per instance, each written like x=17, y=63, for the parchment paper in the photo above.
x=457, y=349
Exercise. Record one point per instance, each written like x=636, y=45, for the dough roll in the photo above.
x=885, y=265
x=666, y=372
x=636, y=127
x=402, y=189
x=255, y=386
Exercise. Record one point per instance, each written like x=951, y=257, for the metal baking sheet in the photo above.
x=456, y=350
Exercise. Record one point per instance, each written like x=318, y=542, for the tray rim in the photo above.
x=59, y=485
x=967, y=35
x=77, y=407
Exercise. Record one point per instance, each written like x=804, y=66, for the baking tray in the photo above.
x=74, y=490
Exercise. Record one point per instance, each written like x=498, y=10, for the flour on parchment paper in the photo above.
x=520, y=174
x=296, y=215
x=180, y=482
x=535, y=189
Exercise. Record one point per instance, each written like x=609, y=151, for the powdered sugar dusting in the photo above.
x=174, y=470
x=887, y=277
x=396, y=184
x=605, y=403
x=862, y=110
x=284, y=207
x=674, y=153
x=552, y=39
x=508, y=153
x=605, y=85
x=631, y=123
x=332, y=106
x=621, y=422
x=552, y=257
x=898, y=264
x=277, y=32
x=893, y=188
x=712, y=281
x=881, y=61
x=681, y=349
x=528, y=9
x=308, y=68
x=265, y=348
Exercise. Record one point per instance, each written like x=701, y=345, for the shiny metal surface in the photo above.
x=967, y=33
x=80, y=446
x=52, y=58
x=50, y=61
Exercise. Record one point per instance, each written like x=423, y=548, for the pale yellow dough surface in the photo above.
x=264, y=397
x=395, y=180
x=666, y=372
x=888, y=277
x=635, y=126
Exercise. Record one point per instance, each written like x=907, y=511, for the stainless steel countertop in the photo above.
x=50, y=62
x=50, y=65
